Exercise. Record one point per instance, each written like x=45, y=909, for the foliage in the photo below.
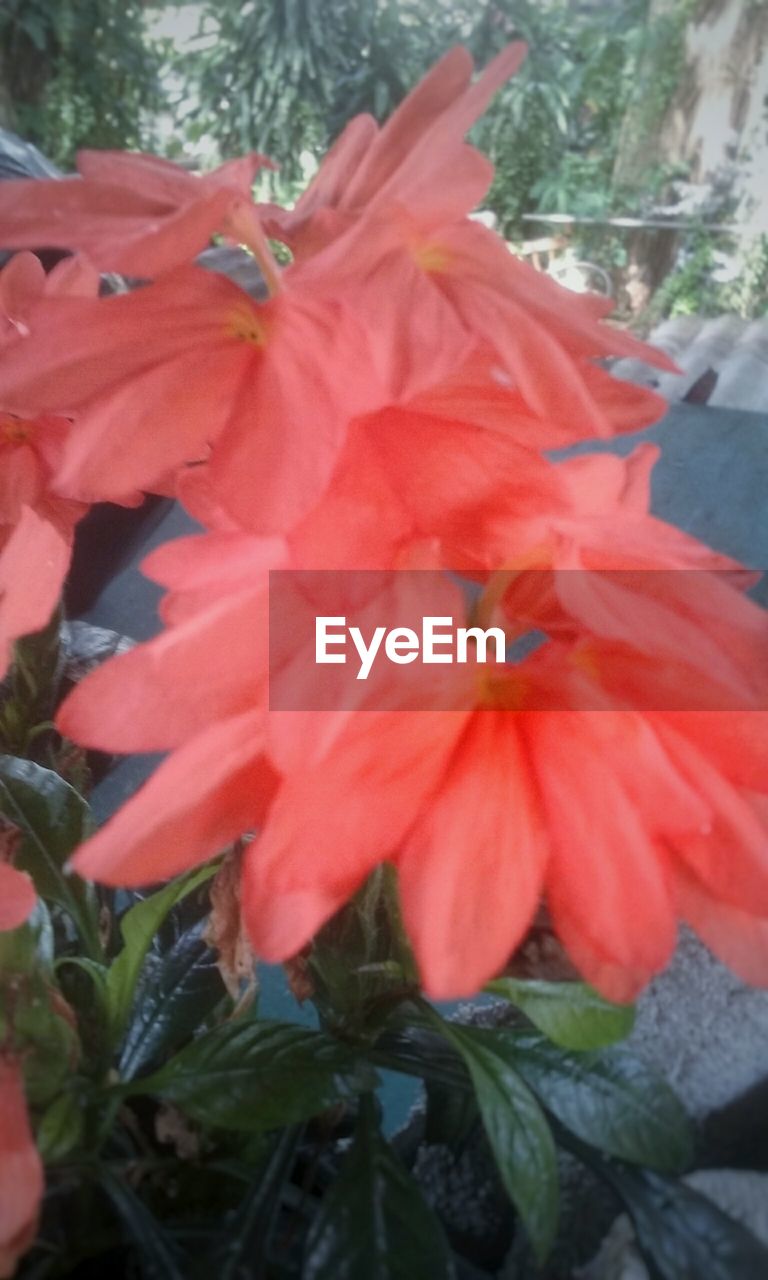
x=284, y=77
x=696, y=285
x=190, y=1134
x=746, y=292
x=553, y=132
x=79, y=73
x=203, y=1140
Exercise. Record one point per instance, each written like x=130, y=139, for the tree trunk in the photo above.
x=698, y=112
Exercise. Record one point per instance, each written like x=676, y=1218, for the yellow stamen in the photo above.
x=585, y=659
x=502, y=690
x=15, y=430
x=245, y=324
x=432, y=258
x=501, y=580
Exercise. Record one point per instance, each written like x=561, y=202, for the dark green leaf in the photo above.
x=53, y=819
x=374, y=1223
x=681, y=1233
x=176, y=992
x=161, y=1257
x=96, y=972
x=517, y=1131
x=48, y=1042
x=29, y=949
x=610, y=1099
x=256, y=1076
x=138, y=928
x=420, y=1053
x=60, y=1128
x=28, y=692
x=571, y=1014
x=241, y=1254
x=451, y=1114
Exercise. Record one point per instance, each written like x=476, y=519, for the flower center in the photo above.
x=15, y=430
x=432, y=258
x=502, y=690
x=245, y=324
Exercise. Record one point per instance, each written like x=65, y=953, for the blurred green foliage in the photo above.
x=283, y=76
x=78, y=73
x=715, y=276
x=573, y=132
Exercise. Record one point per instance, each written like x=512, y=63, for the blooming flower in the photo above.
x=595, y=809
x=21, y=1169
x=418, y=160
x=536, y=338
x=387, y=407
x=385, y=217
x=135, y=214
x=619, y=821
x=158, y=375
x=36, y=522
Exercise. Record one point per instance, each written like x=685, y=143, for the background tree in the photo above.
x=284, y=76
x=77, y=73
x=694, y=133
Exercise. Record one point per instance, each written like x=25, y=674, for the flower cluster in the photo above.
x=389, y=403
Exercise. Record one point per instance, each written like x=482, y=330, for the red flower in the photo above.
x=532, y=341
x=36, y=523
x=17, y=897
x=620, y=827
x=21, y=1169
x=134, y=214
x=385, y=219
x=388, y=406
x=603, y=812
x=417, y=160
x=159, y=375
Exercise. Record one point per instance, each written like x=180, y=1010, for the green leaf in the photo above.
x=451, y=1115
x=96, y=972
x=176, y=992
x=28, y=1018
x=54, y=819
x=255, y=1076
x=571, y=1014
x=36, y=31
x=138, y=928
x=29, y=949
x=517, y=1131
x=241, y=1254
x=374, y=1223
x=29, y=691
x=161, y=1257
x=61, y=1127
x=610, y=1099
x=681, y=1233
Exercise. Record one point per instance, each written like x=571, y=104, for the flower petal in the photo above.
x=21, y=1169
x=606, y=885
x=210, y=667
x=738, y=938
x=17, y=897
x=333, y=821
x=471, y=871
x=206, y=794
x=33, y=565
